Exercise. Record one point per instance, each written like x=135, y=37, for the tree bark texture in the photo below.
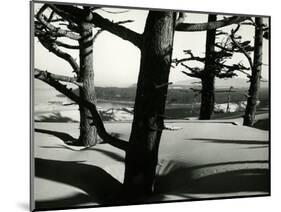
x=208, y=75
x=88, y=134
x=253, y=93
x=142, y=155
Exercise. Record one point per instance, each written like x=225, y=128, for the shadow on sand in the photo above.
x=112, y=155
x=242, y=180
x=263, y=124
x=99, y=186
x=66, y=138
x=224, y=141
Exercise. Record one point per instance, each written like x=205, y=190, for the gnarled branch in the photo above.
x=229, y=74
x=66, y=45
x=191, y=74
x=190, y=58
x=235, y=67
x=54, y=31
x=240, y=47
x=71, y=12
x=49, y=44
x=190, y=27
x=73, y=80
x=224, y=48
x=195, y=72
x=97, y=121
x=116, y=29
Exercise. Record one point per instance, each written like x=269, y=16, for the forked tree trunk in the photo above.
x=88, y=134
x=253, y=92
x=152, y=87
x=208, y=76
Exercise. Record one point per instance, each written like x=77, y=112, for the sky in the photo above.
x=116, y=61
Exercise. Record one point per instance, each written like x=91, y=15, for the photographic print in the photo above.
x=139, y=105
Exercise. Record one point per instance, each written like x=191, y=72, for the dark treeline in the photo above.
x=176, y=96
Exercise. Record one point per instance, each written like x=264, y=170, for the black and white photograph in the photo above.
x=134, y=105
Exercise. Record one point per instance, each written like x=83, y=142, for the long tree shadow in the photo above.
x=257, y=147
x=100, y=187
x=182, y=179
x=112, y=155
x=66, y=138
x=263, y=124
x=244, y=180
x=224, y=141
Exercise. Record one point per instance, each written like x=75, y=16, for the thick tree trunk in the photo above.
x=208, y=76
x=253, y=92
x=207, y=97
x=88, y=135
x=152, y=87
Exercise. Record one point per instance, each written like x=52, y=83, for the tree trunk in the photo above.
x=88, y=134
x=253, y=92
x=208, y=75
x=228, y=103
x=152, y=87
x=207, y=97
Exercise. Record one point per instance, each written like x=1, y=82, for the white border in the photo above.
x=14, y=147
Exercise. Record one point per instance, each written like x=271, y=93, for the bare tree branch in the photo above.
x=101, y=30
x=55, y=31
x=224, y=48
x=66, y=45
x=97, y=121
x=226, y=74
x=52, y=47
x=71, y=12
x=195, y=72
x=162, y=85
x=218, y=33
x=58, y=77
x=124, y=22
x=55, y=20
x=191, y=58
x=97, y=34
x=239, y=46
x=68, y=12
x=238, y=66
x=220, y=55
x=189, y=27
x=116, y=29
x=190, y=74
x=233, y=48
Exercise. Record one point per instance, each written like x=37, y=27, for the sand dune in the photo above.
x=199, y=160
